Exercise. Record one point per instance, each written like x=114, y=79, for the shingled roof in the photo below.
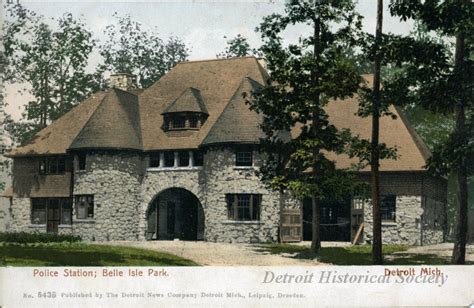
x=58, y=136
x=217, y=81
x=411, y=151
x=237, y=123
x=114, y=125
x=190, y=101
x=116, y=119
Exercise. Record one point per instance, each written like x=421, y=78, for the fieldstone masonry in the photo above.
x=115, y=182
x=406, y=227
x=124, y=188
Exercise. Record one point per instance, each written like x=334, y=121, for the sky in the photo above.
x=202, y=25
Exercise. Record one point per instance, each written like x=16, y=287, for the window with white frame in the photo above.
x=243, y=207
x=243, y=158
x=84, y=206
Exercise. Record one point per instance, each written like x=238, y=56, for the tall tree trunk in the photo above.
x=459, y=251
x=316, y=238
x=375, y=155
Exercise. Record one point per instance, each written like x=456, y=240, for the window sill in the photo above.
x=389, y=223
x=244, y=168
x=65, y=226
x=157, y=169
x=37, y=226
x=242, y=222
x=90, y=221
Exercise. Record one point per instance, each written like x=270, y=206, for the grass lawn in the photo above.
x=355, y=255
x=80, y=254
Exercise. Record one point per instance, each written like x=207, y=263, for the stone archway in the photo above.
x=175, y=213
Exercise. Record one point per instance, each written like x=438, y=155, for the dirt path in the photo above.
x=444, y=250
x=219, y=254
x=223, y=254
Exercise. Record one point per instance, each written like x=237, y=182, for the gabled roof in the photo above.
x=114, y=125
x=116, y=119
x=237, y=123
x=190, y=101
x=411, y=150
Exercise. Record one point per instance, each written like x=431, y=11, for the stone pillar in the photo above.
x=191, y=159
x=162, y=160
x=176, y=159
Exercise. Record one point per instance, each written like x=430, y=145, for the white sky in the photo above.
x=201, y=24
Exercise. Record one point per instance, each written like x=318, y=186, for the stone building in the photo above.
x=179, y=160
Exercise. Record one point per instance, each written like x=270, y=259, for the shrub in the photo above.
x=25, y=237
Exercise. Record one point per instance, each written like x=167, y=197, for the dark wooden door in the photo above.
x=291, y=225
x=152, y=226
x=170, y=219
x=53, y=216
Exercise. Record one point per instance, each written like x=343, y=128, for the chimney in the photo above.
x=123, y=81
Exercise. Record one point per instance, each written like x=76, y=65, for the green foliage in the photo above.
x=51, y=62
x=436, y=82
x=24, y=237
x=80, y=254
x=237, y=47
x=303, y=78
x=130, y=49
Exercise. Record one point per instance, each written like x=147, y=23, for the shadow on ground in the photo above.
x=355, y=255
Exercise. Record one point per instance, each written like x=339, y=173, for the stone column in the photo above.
x=162, y=159
x=176, y=159
x=191, y=159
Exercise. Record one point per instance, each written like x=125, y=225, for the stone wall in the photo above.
x=21, y=215
x=210, y=184
x=406, y=229
x=114, y=180
x=420, y=210
x=225, y=178
x=124, y=188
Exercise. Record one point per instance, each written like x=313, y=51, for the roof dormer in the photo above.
x=187, y=112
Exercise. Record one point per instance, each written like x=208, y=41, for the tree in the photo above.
x=446, y=86
x=52, y=64
x=303, y=78
x=374, y=153
x=237, y=47
x=130, y=49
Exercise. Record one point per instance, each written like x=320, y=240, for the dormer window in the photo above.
x=187, y=112
x=193, y=122
x=178, y=122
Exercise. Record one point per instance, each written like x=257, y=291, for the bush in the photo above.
x=24, y=237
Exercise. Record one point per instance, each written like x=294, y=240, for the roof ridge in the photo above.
x=217, y=59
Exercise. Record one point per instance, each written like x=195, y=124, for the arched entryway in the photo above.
x=175, y=213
